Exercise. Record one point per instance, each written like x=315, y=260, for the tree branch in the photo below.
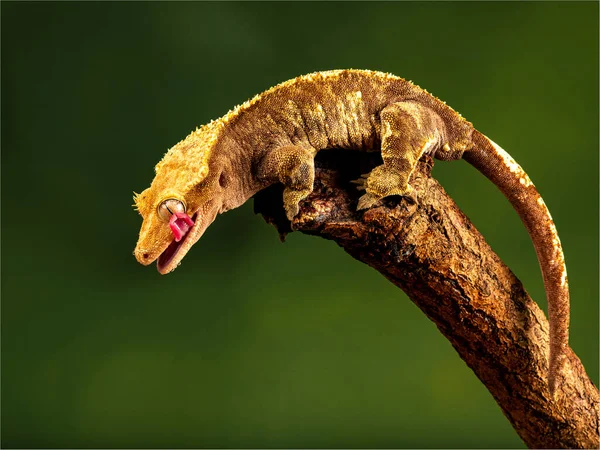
x=434, y=254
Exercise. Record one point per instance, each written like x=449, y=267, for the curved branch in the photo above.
x=434, y=254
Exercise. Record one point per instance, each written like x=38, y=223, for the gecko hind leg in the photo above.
x=294, y=167
x=408, y=131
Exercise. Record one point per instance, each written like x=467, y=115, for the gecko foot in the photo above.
x=382, y=182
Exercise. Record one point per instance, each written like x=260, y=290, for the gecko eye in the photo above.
x=169, y=207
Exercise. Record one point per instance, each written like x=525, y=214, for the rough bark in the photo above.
x=433, y=253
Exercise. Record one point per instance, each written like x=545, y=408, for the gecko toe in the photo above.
x=291, y=211
x=411, y=196
x=361, y=183
x=366, y=201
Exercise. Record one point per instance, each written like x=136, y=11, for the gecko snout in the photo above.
x=143, y=256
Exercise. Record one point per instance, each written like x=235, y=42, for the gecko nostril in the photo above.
x=145, y=256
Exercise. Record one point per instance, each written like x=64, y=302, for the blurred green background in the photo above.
x=251, y=343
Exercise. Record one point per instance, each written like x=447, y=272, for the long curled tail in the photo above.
x=502, y=170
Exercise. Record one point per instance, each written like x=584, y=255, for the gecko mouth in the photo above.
x=183, y=229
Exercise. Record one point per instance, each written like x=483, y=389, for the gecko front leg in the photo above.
x=408, y=131
x=294, y=167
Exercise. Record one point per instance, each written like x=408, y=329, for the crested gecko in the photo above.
x=274, y=137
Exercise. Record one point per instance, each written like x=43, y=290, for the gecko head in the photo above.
x=182, y=201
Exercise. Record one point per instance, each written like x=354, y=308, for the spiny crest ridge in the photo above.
x=190, y=157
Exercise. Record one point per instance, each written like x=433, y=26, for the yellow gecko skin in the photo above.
x=274, y=137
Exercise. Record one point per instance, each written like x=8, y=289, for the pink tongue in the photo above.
x=180, y=224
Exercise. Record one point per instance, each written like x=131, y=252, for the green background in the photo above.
x=251, y=343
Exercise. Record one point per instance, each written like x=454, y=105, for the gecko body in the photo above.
x=274, y=137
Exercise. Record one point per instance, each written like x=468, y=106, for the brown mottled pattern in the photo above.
x=274, y=137
x=335, y=109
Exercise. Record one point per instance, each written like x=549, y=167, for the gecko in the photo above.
x=274, y=137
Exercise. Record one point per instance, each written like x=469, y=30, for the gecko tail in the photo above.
x=502, y=170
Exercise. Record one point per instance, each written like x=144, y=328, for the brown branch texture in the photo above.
x=432, y=252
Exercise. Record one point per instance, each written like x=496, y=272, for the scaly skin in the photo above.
x=274, y=137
